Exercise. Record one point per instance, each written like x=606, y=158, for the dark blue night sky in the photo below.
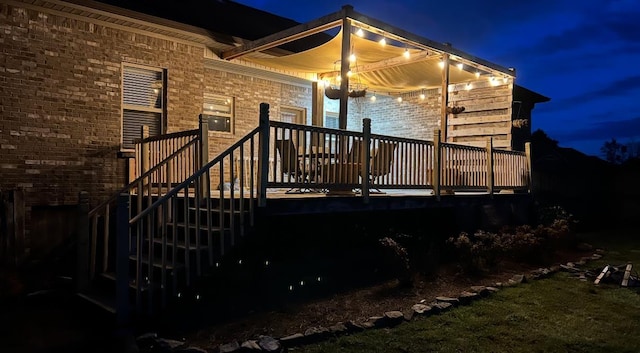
x=583, y=54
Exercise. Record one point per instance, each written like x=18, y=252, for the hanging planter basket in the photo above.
x=455, y=110
x=332, y=93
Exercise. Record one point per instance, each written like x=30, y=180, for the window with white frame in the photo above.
x=332, y=120
x=143, y=102
x=219, y=112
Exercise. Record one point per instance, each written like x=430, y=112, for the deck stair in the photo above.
x=155, y=237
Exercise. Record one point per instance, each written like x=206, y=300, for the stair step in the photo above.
x=217, y=210
x=181, y=244
x=156, y=262
x=100, y=299
x=200, y=227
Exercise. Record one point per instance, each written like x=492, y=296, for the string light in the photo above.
x=468, y=86
x=477, y=74
x=383, y=41
x=373, y=97
x=349, y=73
x=406, y=53
x=352, y=57
x=422, y=95
x=360, y=32
x=399, y=99
x=460, y=66
x=441, y=64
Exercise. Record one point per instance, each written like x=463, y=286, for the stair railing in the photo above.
x=183, y=216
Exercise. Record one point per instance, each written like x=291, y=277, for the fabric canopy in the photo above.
x=380, y=68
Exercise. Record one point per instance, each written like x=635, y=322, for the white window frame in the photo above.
x=212, y=107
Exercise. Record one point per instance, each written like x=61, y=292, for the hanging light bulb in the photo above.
x=422, y=96
x=339, y=78
x=360, y=32
x=468, y=86
x=373, y=97
x=460, y=66
x=352, y=57
x=383, y=41
x=349, y=73
x=477, y=74
x=406, y=53
x=399, y=99
x=441, y=64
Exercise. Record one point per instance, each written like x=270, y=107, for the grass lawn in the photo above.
x=556, y=314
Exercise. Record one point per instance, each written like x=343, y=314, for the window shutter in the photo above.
x=142, y=87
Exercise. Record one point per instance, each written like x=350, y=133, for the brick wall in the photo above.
x=60, y=102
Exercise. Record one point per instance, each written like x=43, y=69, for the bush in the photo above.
x=482, y=250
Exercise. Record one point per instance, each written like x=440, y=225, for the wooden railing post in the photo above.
x=143, y=163
x=204, y=152
x=490, y=183
x=365, y=156
x=437, y=161
x=527, y=152
x=263, y=155
x=83, y=248
x=122, y=260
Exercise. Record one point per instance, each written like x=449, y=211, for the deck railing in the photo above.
x=305, y=157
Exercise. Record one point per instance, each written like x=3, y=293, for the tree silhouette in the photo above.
x=614, y=152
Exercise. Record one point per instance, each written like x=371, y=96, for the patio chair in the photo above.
x=381, y=161
x=290, y=164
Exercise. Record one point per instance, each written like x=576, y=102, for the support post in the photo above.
x=84, y=248
x=263, y=155
x=122, y=261
x=365, y=156
x=527, y=152
x=144, y=151
x=490, y=183
x=444, y=114
x=437, y=161
x=204, y=153
x=344, y=66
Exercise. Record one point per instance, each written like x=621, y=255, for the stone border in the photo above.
x=316, y=334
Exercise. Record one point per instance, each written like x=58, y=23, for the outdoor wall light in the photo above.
x=373, y=97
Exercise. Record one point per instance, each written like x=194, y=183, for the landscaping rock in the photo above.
x=368, y=325
x=338, y=329
x=269, y=344
x=466, y=298
x=481, y=290
x=293, y=340
x=421, y=309
x=250, y=346
x=353, y=326
x=452, y=301
x=554, y=269
x=408, y=315
x=231, y=347
x=440, y=307
x=316, y=334
x=190, y=349
x=378, y=321
x=492, y=289
x=569, y=268
x=517, y=279
x=596, y=256
x=394, y=317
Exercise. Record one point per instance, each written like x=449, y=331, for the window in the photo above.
x=219, y=112
x=293, y=115
x=143, y=98
x=332, y=120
